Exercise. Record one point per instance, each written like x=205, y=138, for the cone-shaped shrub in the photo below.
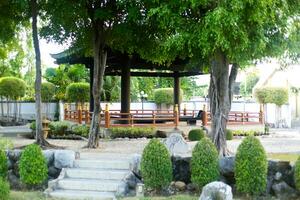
x=297, y=173
x=156, y=165
x=196, y=134
x=204, y=163
x=4, y=189
x=33, y=166
x=251, y=167
x=3, y=164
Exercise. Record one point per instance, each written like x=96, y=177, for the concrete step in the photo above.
x=103, y=174
x=95, y=156
x=86, y=195
x=90, y=185
x=102, y=164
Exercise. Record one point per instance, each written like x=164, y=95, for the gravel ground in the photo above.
x=281, y=141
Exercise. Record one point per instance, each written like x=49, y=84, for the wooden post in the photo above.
x=204, y=116
x=107, y=116
x=184, y=109
x=261, y=114
x=176, y=120
x=66, y=111
x=79, y=114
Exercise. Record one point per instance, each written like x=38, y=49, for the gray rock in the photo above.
x=176, y=144
x=64, y=158
x=191, y=187
x=181, y=168
x=226, y=165
x=14, y=155
x=135, y=164
x=9, y=164
x=53, y=172
x=180, y=185
x=216, y=190
x=278, y=176
x=14, y=181
x=283, y=191
x=49, y=155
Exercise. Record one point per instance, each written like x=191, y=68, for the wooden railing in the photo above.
x=114, y=118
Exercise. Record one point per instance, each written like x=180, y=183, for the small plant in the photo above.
x=229, y=134
x=3, y=164
x=4, y=189
x=156, y=165
x=132, y=132
x=165, y=95
x=59, y=128
x=204, y=163
x=196, y=134
x=33, y=166
x=81, y=130
x=297, y=173
x=6, y=144
x=251, y=167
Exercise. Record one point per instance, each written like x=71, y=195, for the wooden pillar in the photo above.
x=125, y=91
x=91, y=88
x=177, y=90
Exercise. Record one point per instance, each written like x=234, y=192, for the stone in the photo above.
x=226, y=165
x=191, y=187
x=49, y=155
x=176, y=144
x=181, y=168
x=9, y=164
x=53, y=172
x=180, y=185
x=216, y=190
x=283, y=167
x=14, y=155
x=135, y=164
x=278, y=176
x=283, y=191
x=14, y=181
x=64, y=158
x=161, y=134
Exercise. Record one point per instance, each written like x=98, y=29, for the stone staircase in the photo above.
x=94, y=176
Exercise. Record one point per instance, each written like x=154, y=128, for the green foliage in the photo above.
x=111, y=89
x=4, y=189
x=78, y=73
x=48, y=91
x=33, y=166
x=6, y=143
x=156, y=165
x=12, y=87
x=78, y=92
x=196, y=134
x=81, y=130
x=32, y=126
x=3, y=164
x=247, y=132
x=229, y=134
x=165, y=95
x=251, y=167
x=132, y=132
x=297, y=173
x=276, y=95
x=248, y=84
x=205, y=163
x=59, y=127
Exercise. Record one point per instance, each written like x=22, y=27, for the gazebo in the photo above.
x=125, y=65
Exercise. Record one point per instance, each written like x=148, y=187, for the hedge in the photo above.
x=132, y=132
x=196, y=134
x=165, y=95
x=78, y=92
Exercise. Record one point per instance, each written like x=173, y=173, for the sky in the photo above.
x=48, y=48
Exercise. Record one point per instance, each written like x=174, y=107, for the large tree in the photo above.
x=222, y=36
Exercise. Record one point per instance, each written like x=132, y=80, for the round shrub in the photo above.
x=165, y=95
x=196, y=134
x=156, y=165
x=33, y=166
x=78, y=92
x=204, y=163
x=82, y=130
x=48, y=91
x=3, y=164
x=297, y=173
x=12, y=87
x=4, y=189
x=251, y=167
x=59, y=127
x=229, y=134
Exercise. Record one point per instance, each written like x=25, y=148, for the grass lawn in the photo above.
x=284, y=156
x=16, y=195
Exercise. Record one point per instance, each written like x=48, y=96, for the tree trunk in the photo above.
x=220, y=93
x=38, y=78
x=100, y=56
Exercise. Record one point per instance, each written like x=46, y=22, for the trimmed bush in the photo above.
x=156, y=165
x=132, y=132
x=204, y=163
x=276, y=95
x=297, y=173
x=12, y=87
x=165, y=95
x=251, y=167
x=3, y=164
x=5, y=144
x=81, y=130
x=229, y=134
x=196, y=134
x=4, y=189
x=48, y=91
x=78, y=92
x=33, y=166
x=59, y=128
